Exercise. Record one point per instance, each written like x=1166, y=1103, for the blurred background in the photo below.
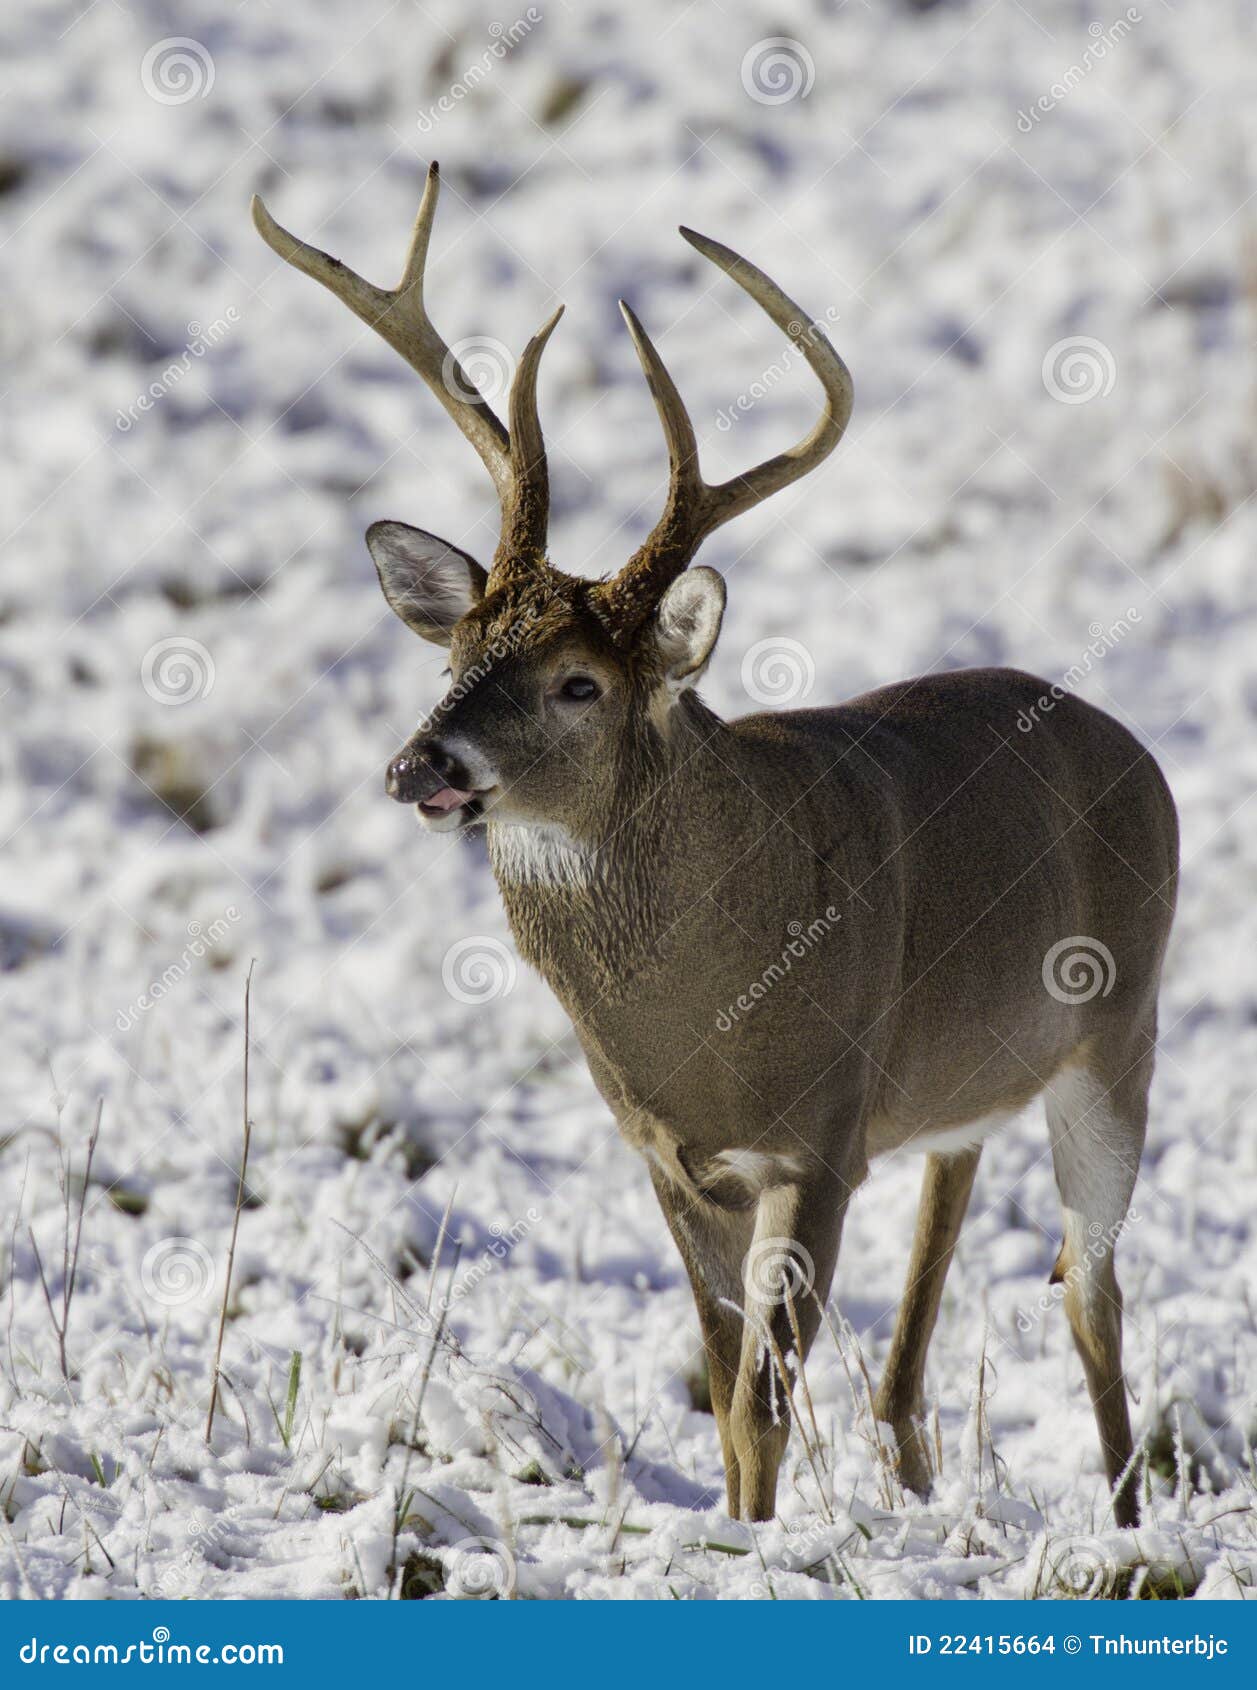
x=1032, y=233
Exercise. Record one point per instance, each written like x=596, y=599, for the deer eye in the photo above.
x=579, y=688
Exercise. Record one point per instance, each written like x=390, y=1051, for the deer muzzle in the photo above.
x=427, y=775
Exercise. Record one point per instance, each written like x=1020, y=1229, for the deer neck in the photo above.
x=589, y=907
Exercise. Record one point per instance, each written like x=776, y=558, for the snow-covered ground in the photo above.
x=195, y=439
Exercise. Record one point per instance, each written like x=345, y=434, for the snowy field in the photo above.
x=1044, y=279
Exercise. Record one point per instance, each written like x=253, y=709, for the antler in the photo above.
x=516, y=461
x=695, y=507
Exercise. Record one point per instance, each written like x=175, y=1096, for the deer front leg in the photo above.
x=786, y=1275
x=713, y=1243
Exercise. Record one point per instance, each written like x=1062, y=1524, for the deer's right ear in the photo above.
x=429, y=583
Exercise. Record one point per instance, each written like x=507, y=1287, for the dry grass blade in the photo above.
x=71, y=1245
x=235, y=1219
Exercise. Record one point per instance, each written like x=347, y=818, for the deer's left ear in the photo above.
x=686, y=626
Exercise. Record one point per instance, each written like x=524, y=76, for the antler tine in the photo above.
x=740, y=492
x=694, y=507
x=398, y=315
x=417, y=252
x=518, y=467
x=686, y=482
x=518, y=548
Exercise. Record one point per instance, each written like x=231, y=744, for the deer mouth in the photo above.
x=451, y=805
x=445, y=799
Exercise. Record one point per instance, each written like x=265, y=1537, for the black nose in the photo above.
x=418, y=771
x=397, y=777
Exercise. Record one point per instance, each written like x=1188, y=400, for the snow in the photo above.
x=543, y=1440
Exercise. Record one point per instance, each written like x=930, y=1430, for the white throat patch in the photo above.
x=539, y=856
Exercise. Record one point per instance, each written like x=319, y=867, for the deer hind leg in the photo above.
x=786, y=1275
x=900, y=1400
x=1097, y=1113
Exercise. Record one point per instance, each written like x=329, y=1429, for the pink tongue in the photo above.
x=446, y=799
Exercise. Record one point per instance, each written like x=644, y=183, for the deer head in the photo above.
x=555, y=678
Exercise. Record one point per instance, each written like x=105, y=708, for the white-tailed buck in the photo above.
x=795, y=941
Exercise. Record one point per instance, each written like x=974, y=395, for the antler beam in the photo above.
x=516, y=461
x=694, y=507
